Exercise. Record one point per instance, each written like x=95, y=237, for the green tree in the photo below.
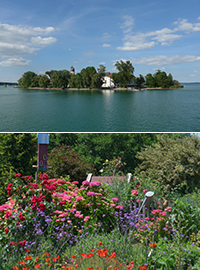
x=72, y=81
x=170, y=80
x=172, y=163
x=44, y=81
x=35, y=81
x=116, y=78
x=57, y=139
x=125, y=72
x=87, y=74
x=17, y=155
x=65, y=161
x=95, y=148
x=150, y=81
x=96, y=81
x=60, y=78
x=27, y=79
x=139, y=81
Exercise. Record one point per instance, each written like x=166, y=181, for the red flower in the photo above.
x=144, y=190
x=27, y=258
x=22, y=243
x=21, y=262
x=6, y=230
x=17, y=223
x=42, y=207
x=102, y=253
x=21, y=217
x=100, y=244
x=37, y=265
x=17, y=174
x=34, y=206
x=134, y=192
x=34, y=199
x=9, y=188
x=7, y=215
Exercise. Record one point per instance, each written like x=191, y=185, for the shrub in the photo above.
x=172, y=162
x=66, y=162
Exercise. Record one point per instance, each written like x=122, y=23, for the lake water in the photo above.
x=100, y=111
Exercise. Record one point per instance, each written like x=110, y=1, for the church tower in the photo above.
x=72, y=70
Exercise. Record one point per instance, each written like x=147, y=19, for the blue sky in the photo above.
x=44, y=35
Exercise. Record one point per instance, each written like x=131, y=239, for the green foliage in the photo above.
x=184, y=218
x=17, y=155
x=95, y=148
x=60, y=78
x=27, y=79
x=172, y=162
x=112, y=167
x=173, y=255
x=65, y=161
x=87, y=74
x=160, y=79
x=139, y=81
x=125, y=74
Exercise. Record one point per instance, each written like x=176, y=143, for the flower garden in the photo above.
x=59, y=224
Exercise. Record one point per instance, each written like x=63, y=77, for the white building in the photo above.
x=108, y=81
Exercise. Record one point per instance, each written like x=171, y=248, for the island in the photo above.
x=90, y=78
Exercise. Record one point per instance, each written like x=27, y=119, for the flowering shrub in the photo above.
x=155, y=226
x=54, y=203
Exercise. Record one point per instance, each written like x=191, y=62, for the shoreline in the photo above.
x=84, y=89
x=102, y=89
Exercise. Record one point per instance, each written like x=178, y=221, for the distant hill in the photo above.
x=8, y=83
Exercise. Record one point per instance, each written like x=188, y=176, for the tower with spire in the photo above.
x=72, y=70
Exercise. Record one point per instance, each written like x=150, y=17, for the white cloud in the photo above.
x=15, y=50
x=42, y=41
x=183, y=25
x=128, y=24
x=15, y=62
x=90, y=53
x=106, y=36
x=17, y=40
x=165, y=60
x=106, y=45
x=165, y=36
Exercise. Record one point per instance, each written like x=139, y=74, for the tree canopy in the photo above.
x=172, y=163
x=90, y=77
x=125, y=73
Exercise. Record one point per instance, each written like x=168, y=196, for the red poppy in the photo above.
x=27, y=258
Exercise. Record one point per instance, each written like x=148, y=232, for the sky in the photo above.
x=46, y=35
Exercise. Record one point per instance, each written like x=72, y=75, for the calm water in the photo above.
x=99, y=111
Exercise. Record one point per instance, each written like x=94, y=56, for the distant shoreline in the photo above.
x=84, y=89
x=103, y=89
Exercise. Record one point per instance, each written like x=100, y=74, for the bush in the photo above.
x=172, y=162
x=66, y=162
